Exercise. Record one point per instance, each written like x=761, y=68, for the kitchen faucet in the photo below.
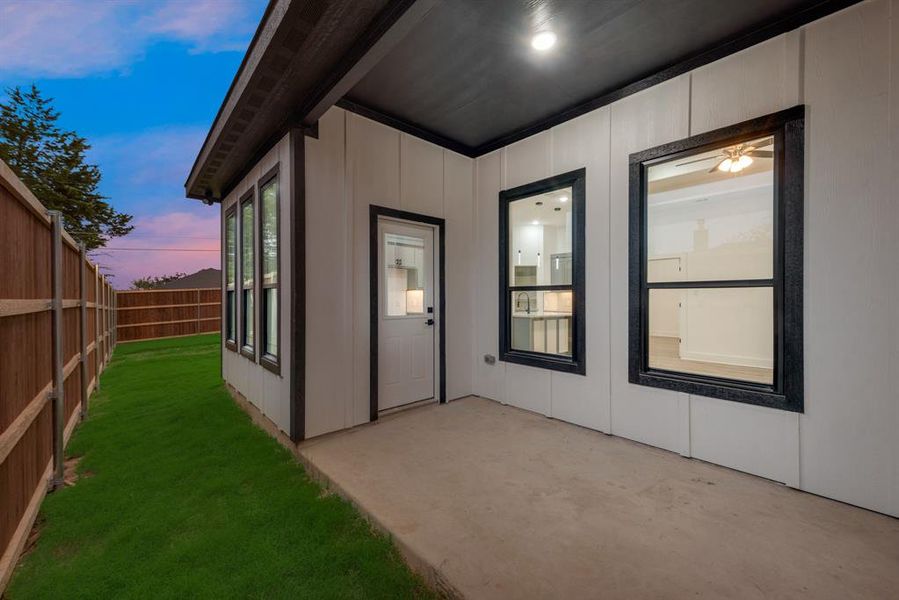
x=527, y=298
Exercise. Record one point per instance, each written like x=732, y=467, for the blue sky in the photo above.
x=142, y=80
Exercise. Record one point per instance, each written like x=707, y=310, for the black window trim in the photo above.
x=247, y=351
x=576, y=180
x=269, y=361
x=231, y=343
x=786, y=393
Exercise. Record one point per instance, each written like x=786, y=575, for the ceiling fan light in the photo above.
x=736, y=167
x=744, y=161
x=725, y=164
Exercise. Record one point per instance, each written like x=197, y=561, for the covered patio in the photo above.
x=490, y=501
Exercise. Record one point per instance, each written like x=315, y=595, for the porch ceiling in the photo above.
x=468, y=74
x=461, y=73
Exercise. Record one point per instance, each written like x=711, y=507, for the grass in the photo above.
x=182, y=496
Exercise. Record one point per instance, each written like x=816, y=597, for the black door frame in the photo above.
x=374, y=212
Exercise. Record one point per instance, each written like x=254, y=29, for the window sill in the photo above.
x=746, y=393
x=544, y=361
x=249, y=353
x=231, y=345
x=270, y=364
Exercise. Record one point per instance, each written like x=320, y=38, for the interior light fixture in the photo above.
x=725, y=164
x=543, y=41
x=535, y=222
x=563, y=198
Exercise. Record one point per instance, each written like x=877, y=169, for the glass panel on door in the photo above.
x=404, y=275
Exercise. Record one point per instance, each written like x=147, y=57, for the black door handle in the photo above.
x=429, y=322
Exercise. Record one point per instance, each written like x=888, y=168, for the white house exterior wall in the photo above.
x=844, y=68
x=268, y=392
x=845, y=445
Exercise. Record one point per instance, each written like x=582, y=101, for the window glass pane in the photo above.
x=270, y=232
x=542, y=322
x=246, y=227
x=718, y=332
x=705, y=223
x=232, y=314
x=271, y=321
x=404, y=275
x=249, y=317
x=230, y=249
x=540, y=239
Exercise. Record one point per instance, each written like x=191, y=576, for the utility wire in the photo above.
x=155, y=235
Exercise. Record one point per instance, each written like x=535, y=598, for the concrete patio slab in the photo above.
x=489, y=501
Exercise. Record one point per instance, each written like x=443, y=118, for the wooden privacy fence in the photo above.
x=151, y=314
x=57, y=332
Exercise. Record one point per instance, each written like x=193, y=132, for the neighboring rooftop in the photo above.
x=204, y=278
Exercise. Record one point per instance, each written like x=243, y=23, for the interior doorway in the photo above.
x=407, y=309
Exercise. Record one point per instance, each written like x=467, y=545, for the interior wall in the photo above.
x=844, y=446
x=356, y=163
x=270, y=393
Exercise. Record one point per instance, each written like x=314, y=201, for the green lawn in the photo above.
x=182, y=496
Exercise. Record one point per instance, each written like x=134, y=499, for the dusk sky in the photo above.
x=142, y=81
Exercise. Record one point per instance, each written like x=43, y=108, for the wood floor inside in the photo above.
x=664, y=353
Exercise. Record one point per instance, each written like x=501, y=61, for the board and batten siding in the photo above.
x=845, y=445
x=267, y=391
x=844, y=68
x=352, y=164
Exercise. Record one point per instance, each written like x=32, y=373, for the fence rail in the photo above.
x=57, y=332
x=151, y=314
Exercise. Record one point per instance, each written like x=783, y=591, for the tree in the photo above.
x=154, y=282
x=51, y=162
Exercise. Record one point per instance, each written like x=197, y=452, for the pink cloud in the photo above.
x=161, y=245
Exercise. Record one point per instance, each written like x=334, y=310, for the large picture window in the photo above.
x=247, y=277
x=270, y=252
x=541, y=233
x=230, y=279
x=716, y=263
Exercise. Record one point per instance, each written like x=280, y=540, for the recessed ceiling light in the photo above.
x=543, y=41
x=563, y=198
x=535, y=222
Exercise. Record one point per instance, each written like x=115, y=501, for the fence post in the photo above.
x=82, y=280
x=103, y=316
x=59, y=410
x=106, y=302
x=115, y=315
x=105, y=323
x=96, y=327
x=198, y=311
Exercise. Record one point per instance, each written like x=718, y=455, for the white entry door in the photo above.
x=406, y=322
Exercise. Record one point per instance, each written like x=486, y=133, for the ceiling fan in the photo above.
x=736, y=158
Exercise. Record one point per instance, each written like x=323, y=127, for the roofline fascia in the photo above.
x=218, y=115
